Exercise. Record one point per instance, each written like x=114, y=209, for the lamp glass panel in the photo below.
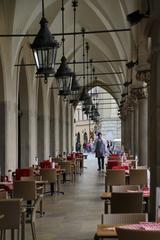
x=44, y=58
x=40, y=58
x=36, y=57
x=50, y=58
x=64, y=83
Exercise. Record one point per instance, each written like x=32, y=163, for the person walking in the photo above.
x=100, y=150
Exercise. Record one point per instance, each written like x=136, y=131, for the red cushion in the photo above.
x=23, y=172
x=112, y=163
x=120, y=167
x=45, y=164
x=70, y=157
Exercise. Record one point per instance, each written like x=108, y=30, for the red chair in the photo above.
x=46, y=164
x=23, y=172
x=70, y=157
x=78, y=155
x=112, y=163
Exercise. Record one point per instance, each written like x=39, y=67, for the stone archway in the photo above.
x=2, y=123
x=52, y=126
x=40, y=124
x=23, y=120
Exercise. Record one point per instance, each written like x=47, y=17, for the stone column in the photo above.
x=64, y=122
x=154, y=109
x=46, y=135
x=128, y=134
x=122, y=132
x=11, y=161
x=136, y=131
x=141, y=123
x=32, y=136
x=143, y=130
x=72, y=130
x=69, y=129
x=57, y=126
x=127, y=116
x=132, y=133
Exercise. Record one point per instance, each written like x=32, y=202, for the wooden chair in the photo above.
x=39, y=187
x=32, y=218
x=114, y=177
x=138, y=177
x=50, y=175
x=132, y=234
x=125, y=202
x=31, y=178
x=23, y=172
x=3, y=194
x=27, y=190
x=125, y=188
x=11, y=209
x=69, y=170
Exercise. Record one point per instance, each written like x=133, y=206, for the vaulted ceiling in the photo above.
x=23, y=17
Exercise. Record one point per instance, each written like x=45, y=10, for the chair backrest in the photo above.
x=138, y=177
x=114, y=177
x=11, y=209
x=49, y=174
x=113, y=162
x=67, y=166
x=127, y=202
x=125, y=188
x=25, y=190
x=124, y=218
x=132, y=234
x=23, y=172
x=3, y=194
x=45, y=164
x=31, y=178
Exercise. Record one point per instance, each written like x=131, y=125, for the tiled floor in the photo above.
x=74, y=215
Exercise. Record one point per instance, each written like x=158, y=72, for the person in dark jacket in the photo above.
x=100, y=150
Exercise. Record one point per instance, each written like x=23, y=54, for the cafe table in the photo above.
x=141, y=231
x=109, y=231
x=106, y=231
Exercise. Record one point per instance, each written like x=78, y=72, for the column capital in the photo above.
x=139, y=93
x=128, y=107
x=143, y=75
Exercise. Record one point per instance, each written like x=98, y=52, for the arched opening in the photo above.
x=23, y=120
x=2, y=123
x=52, y=126
x=40, y=124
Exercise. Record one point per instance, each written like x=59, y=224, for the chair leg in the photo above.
x=52, y=188
x=12, y=234
x=18, y=234
x=33, y=227
x=2, y=234
x=41, y=208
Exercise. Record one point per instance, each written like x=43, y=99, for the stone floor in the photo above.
x=74, y=215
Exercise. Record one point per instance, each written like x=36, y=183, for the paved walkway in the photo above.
x=74, y=215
